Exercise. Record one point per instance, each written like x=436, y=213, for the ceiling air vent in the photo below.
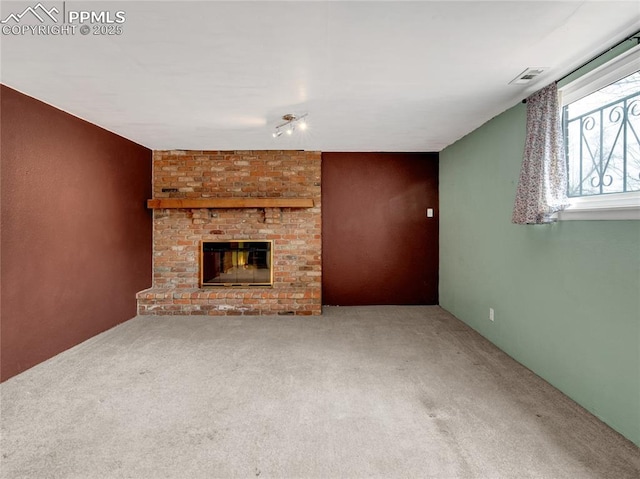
x=527, y=75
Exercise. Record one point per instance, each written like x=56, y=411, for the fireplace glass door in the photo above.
x=236, y=263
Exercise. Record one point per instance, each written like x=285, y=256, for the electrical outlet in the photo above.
x=491, y=314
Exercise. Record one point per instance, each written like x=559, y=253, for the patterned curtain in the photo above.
x=542, y=188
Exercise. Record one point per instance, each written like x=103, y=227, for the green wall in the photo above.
x=566, y=295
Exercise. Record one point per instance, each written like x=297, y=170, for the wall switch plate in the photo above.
x=491, y=314
x=429, y=212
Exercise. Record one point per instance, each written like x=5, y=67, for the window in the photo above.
x=601, y=122
x=603, y=140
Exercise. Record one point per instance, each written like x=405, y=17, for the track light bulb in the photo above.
x=289, y=125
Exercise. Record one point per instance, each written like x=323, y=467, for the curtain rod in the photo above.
x=635, y=36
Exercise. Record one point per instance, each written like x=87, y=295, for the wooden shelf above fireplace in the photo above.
x=187, y=203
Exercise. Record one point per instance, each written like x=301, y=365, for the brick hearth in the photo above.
x=177, y=233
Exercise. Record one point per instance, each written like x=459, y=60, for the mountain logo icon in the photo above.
x=39, y=11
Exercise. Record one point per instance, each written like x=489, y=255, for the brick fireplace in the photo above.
x=238, y=190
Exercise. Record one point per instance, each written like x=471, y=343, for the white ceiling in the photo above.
x=373, y=76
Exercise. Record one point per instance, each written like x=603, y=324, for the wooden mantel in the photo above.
x=157, y=203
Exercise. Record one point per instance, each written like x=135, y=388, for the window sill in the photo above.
x=625, y=206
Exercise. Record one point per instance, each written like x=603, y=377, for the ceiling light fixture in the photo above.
x=290, y=123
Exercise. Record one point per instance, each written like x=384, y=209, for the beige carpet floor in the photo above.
x=407, y=392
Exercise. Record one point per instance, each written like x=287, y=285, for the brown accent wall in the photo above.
x=379, y=246
x=76, y=236
x=177, y=233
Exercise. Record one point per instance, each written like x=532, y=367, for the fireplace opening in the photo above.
x=236, y=263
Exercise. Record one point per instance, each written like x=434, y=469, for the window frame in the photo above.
x=612, y=206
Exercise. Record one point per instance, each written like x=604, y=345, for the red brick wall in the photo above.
x=177, y=233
